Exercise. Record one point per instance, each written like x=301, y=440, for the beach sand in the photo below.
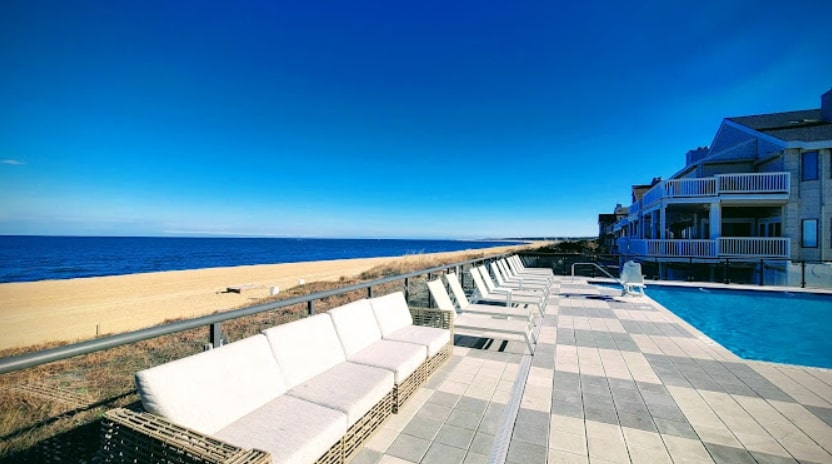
x=78, y=309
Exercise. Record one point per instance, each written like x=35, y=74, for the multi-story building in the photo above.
x=761, y=194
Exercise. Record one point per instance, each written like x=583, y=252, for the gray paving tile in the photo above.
x=408, y=447
x=625, y=394
x=567, y=381
x=482, y=443
x=765, y=458
x=598, y=400
x=466, y=419
x=622, y=384
x=543, y=361
x=466, y=403
x=475, y=458
x=675, y=428
x=520, y=452
x=457, y=437
x=443, y=399
x=570, y=409
x=434, y=412
x=531, y=426
x=366, y=456
x=422, y=427
x=636, y=421
x=439, y=453
x=566, y=395
x=824, y=414
x=728, y=454
x=632, y=407
x=601, y=414
x=491, y=419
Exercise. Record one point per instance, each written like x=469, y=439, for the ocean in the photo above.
x=33, y=258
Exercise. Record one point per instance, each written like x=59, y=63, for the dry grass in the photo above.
x=43, y=409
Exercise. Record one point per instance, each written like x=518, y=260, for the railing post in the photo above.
x=727, y=279
x=430, y=297
x=407, y=289
x=216, y=335
x=803, y=274
x=370, y=291
x=310, y=307
x=762, y=275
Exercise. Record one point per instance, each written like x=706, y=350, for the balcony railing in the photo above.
x=724, y=247
x=754, y=183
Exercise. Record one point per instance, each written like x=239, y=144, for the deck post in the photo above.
x=803, y=274
x=310, y=307
x=215, y=335
x=407, y=289
x=370, y=291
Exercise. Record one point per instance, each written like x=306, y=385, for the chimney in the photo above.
x=826, y=106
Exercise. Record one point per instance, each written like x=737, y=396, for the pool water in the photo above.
x=783, y=327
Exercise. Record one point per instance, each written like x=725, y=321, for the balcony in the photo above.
x=724, y=247
x=721, y=184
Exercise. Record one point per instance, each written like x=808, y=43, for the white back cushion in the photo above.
x=486, y=277
x=459, y=293
x=475, y=273
x=440, y=295
x=305, y=348
x=356, y=326
x=391, y=312
x=210, y=390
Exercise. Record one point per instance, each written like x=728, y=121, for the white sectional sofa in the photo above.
x=308, y=391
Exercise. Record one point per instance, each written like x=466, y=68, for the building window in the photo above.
x=809, y=166
x=809, y=236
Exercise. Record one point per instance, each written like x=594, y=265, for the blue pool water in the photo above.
x=783, y=327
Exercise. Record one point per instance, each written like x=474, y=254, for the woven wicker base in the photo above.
x=130, y=437
x=364, y=428
x=439, y=358
x=403, y=391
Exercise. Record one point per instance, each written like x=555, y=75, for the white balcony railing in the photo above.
x=724, y=247
x=776, y=182
x=754, y=183
x=753, y=246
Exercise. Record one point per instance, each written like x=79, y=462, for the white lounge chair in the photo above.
x=520, y=268
x=516, y=293
x=529, y=285
x=466, y=306
x=479, y=322
x=631, y=279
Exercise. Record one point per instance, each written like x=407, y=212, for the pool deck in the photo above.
x=612, y=380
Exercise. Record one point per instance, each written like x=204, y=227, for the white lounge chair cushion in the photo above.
x=305, y=348
x=210, y=390
x=440, y=295
x=433, y=338
x=348, y=387
x=398, y=357
x=356, y=326
x=293, y=431
x=391, y=312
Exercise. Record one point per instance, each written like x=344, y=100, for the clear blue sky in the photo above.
x=381, y=119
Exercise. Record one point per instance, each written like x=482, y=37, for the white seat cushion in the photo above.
x=305, y=348
x=356, y=326
x=398, y=357
x=293, y=431
x=350, y=388
x=391, y=312
x=434, y=339
x=210, y=390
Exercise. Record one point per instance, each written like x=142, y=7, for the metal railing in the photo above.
x=213, y=322
x=747, y=183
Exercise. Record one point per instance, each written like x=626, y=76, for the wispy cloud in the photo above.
x=12, y=162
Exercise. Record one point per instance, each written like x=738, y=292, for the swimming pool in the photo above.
x=783, y=327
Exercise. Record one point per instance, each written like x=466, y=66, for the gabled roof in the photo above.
x=803, y=125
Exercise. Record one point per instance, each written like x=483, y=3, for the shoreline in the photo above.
x=70, y=310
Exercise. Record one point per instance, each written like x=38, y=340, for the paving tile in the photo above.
x=475, y=458
x=685, y=448
x=422, y=427
x=570, y=409
x=443, y=399
x=729, y=455
x=763, y=458
x=609, y=448
x=637, y=421
x=387, y=459
x=602, y=413
x=532, y=427
x=569, y=442
x=476, y=405
x=482, y=443
x=675, y=428
x=642, y=439
x=649, y=456
x=466, y=419
x=434, y=412
x=439, y=453
x=520, y=452
x=492, y=419
x=457, y=437
x=824, y=414
x=409, y=448
x=366, y=456
x=563, y=457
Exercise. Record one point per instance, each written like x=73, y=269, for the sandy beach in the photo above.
x=78, y=309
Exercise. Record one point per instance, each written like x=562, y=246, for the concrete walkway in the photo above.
x=612, y=380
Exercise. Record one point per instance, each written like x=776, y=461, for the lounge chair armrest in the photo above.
x=129, y=436
x=438, y=318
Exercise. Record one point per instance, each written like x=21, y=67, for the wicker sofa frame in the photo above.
x=129, y=436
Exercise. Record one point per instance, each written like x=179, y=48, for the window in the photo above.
x=809, y=237
x=809, y=166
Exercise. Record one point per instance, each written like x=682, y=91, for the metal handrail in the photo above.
x=25, y=361
x=600, y=268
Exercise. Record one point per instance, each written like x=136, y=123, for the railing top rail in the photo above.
x=600, y=268
x=24, y=361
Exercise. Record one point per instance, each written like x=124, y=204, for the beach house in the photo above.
x=761, y=193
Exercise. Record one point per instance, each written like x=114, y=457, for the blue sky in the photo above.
x=375, y=119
